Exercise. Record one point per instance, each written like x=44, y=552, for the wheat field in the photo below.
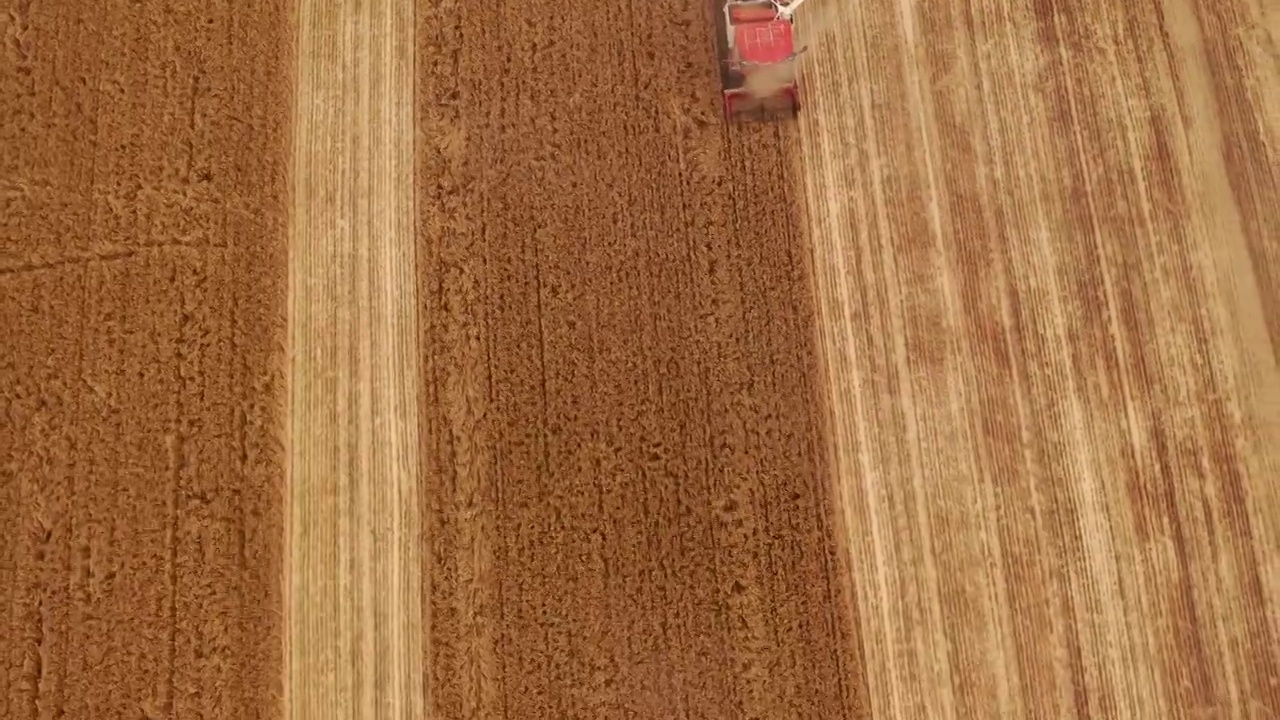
x=393, y=359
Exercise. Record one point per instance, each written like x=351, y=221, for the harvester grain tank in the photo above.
x=755, y=45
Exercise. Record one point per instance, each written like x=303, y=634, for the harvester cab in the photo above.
x=755, y=44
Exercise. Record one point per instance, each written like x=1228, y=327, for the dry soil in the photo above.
x=625, y=485
x=142, y=313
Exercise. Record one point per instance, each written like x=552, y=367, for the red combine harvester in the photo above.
x=755, y=45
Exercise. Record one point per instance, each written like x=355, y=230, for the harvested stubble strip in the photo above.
x=142, y=281
x=627, y=499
